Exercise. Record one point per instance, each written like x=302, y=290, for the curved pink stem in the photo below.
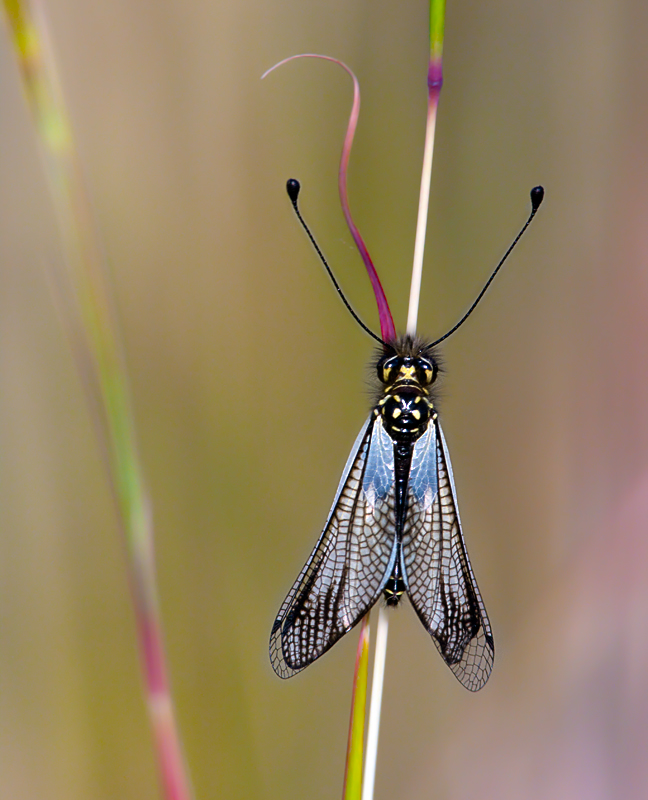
x=387, y=329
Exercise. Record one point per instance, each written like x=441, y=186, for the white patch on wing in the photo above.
x=378, y=478
x=423, y=480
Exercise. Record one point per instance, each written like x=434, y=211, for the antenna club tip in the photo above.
x=292, y=187
x=537, y=196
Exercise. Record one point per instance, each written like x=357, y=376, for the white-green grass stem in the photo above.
x=373, y=730
x=435, y=82
x=421, y=224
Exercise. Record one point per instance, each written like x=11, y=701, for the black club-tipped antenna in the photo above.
x=292, y=187
x=537, y=196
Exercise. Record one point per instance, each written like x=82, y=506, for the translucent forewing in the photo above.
x=351, y=563
x=439, y=579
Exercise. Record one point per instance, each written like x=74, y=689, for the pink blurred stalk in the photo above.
x=387, y=329
x=91, y=323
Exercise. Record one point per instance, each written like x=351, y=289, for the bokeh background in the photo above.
x=249, y=387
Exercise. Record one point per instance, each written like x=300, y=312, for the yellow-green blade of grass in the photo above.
x=355, y=746
x=91, y=323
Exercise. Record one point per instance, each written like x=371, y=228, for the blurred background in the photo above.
x=249, y=385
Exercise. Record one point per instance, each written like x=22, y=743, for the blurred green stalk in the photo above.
x=91, y=322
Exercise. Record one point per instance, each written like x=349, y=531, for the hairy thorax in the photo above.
x=407, y=370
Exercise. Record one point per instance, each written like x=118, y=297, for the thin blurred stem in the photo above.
x=87, y=298
x=382, y=629
x=435, y=82
x=353, y=768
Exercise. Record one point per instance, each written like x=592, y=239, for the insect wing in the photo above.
x=351, y=563
x=439, y=579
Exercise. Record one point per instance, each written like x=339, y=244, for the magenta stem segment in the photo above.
x=387, y=329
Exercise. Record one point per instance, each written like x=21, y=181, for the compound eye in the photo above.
x=386, y=370
x=427, y=371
